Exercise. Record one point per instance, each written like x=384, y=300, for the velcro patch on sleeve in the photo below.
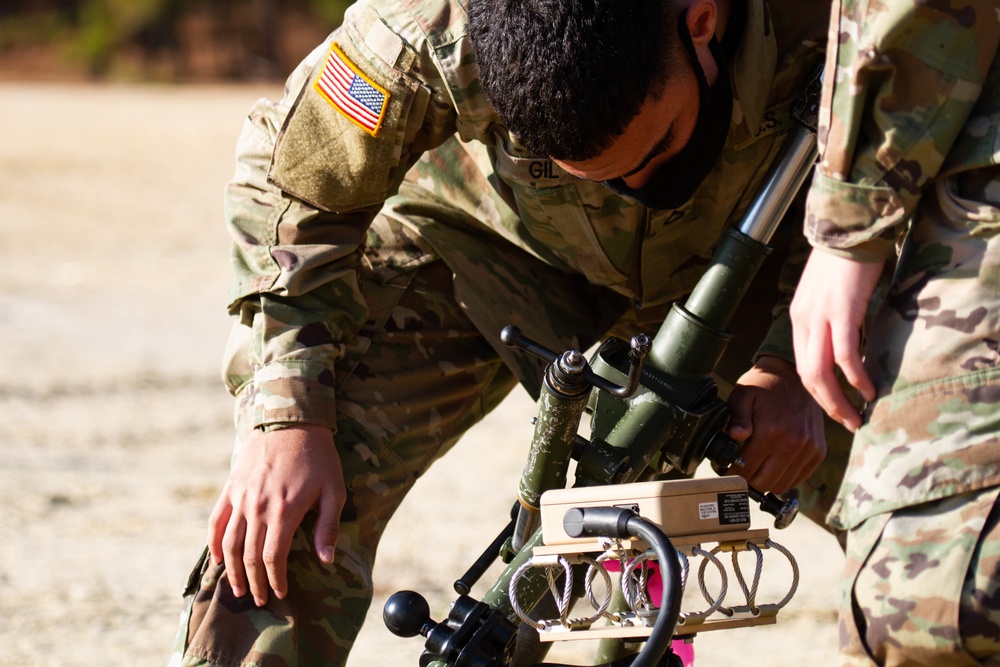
x=353, y=94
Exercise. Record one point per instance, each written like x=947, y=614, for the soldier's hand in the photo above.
x=278, y=476
x=827, y=313
x=780, y=425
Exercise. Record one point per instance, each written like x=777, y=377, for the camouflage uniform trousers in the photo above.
x=920, y=494
x=422, y=376
x=396, y=415
x=922, y=585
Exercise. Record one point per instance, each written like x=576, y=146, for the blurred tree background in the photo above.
x=160, y=40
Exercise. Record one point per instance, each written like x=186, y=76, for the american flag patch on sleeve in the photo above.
x=352, y=93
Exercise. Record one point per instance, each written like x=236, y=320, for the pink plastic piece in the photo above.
x=654, y=586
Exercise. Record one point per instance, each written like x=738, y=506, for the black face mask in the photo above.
x=674, y=182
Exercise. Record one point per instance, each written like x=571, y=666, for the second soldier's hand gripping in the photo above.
x=278, y=477
x=779, y=424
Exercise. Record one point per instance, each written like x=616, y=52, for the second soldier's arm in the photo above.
x=312, y=171
x=903, y=79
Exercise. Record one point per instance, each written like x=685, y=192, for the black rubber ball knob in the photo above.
x=406, y=613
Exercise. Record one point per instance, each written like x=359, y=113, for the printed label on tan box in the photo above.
x=733, y=508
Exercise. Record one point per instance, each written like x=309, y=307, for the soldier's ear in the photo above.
x=701, y=18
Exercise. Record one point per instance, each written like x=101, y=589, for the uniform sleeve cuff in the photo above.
x=293, y=393
x=842, y=215
x=875, y=250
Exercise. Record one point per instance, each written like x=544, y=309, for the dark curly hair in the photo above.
x=567, y=76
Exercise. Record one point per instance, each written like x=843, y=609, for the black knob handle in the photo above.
x=407, y=614
x=784, y=511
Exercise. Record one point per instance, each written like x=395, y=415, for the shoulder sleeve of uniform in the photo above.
x=361, y=117
x=901, y=80
x=443, y=24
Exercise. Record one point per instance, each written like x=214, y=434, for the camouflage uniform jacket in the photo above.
x=315, y=168
x=912, y=98
x=930, y=75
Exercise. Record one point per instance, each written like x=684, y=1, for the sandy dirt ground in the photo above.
x=114, y=427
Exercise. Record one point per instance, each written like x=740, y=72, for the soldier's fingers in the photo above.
x=217, y=522
x=232, y=553
x=253, y=561
x=740, y=427
x=808, y=346
x=275, y=553
x=847, y=354
x=770, y=474
x=818, y=377
x=809, y=363
x=781, y=457
x=752, y=459
x=328, y=525
x=797, y=471
x=833, y=400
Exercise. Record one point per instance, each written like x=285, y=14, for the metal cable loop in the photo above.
x=619, y=556
x=637, y=592
x=685, y=570
x=562, y=602
x=634, y=586
x=749, y=593
x=600, y=609
x=715, y=603
x=795, y=572
x=512, y=593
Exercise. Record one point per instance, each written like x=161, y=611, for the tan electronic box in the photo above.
x=678, y=507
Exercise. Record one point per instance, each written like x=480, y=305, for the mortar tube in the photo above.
x=707, y=312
